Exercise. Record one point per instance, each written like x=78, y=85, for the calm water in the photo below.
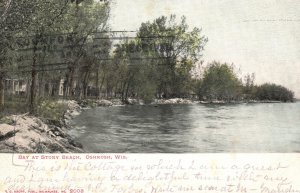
x=190, y=128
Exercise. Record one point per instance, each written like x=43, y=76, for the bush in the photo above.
x=274, y=92
x=51, y=110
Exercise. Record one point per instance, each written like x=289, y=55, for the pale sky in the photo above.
x=260, y=36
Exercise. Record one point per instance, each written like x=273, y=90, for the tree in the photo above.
x=42, y=22
x=158, y=62
x=249, y=88
x=77, y=20
x=175, y=48
x=220, y=82
x=82, y=21
x=15, y=16
x=132, y=69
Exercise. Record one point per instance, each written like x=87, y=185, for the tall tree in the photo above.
x=45, y=46
x=82, y=22
x=220, y=82
x=15, y=16
x=41, y=24
x=249, y=87
x=175, y=48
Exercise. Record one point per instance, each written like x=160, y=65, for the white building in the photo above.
x=15, y=86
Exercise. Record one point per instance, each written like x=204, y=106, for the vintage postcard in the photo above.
x=149, y=96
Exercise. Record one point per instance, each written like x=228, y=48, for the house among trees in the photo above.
x=20, y=87
x=15, y=86
x=50, y=89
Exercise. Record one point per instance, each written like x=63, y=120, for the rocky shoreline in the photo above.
x=118, y=102
x=29, y=134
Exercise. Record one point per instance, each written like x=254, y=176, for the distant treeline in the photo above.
x=220, y=82
x=273, y=92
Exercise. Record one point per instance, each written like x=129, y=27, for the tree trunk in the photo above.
x=97, y=84
x=50, y=91
x=101, y=85
x=32, y=109
x=70, y=77
x=127, y=90
x=123, y=90
x=85, y=84
x=116, y=90
x=2, y=91
x=27, y=90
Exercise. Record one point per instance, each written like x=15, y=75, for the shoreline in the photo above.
x=32, y=134
x=90, y=103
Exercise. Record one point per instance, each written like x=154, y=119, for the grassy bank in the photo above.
x=45, y=133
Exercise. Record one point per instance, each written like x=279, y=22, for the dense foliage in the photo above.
x=63, y=48
x=274, y=92
x=220, y=83
x=44, y=42
x=158, y=62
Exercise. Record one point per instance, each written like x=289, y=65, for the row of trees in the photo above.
x=157, y=63
x=221, y=82
x=45, y=42
x=160, y=61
